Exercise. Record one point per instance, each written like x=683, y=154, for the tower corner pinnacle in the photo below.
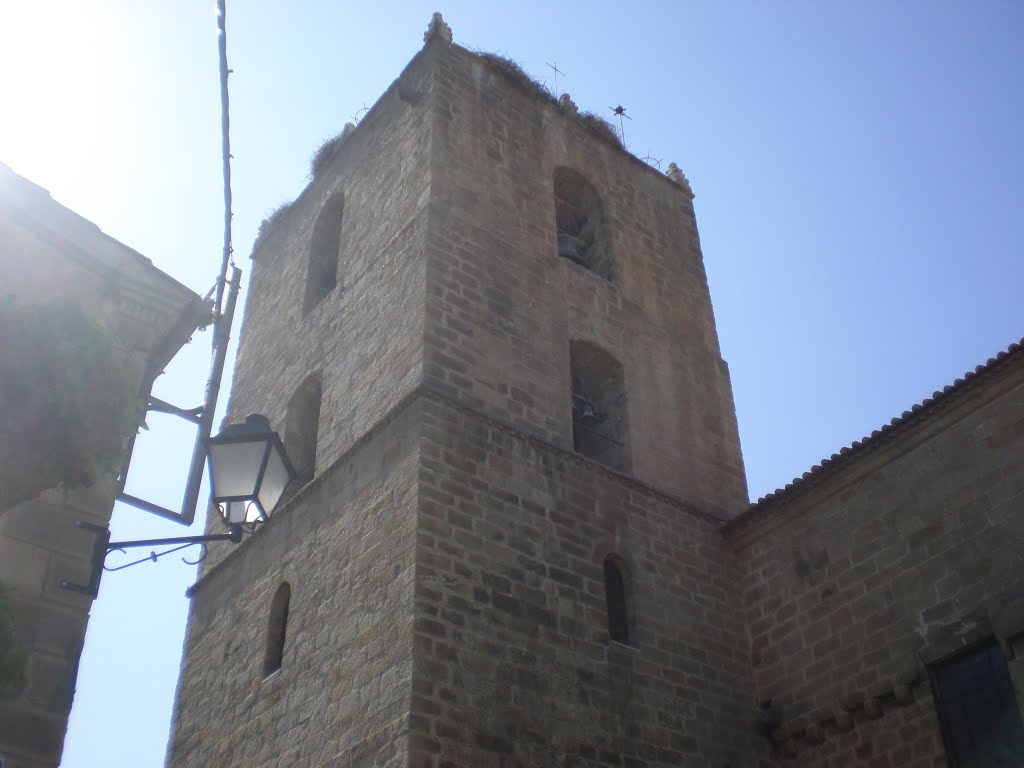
x=438, y=28
x=679, y=178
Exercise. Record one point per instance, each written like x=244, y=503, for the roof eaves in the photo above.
x=880, y=437
x=35, y=207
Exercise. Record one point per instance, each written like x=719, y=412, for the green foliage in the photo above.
x=66, y=399
x=12, y=657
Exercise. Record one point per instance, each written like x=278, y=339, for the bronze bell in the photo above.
x=584, y=410
x=567, y=246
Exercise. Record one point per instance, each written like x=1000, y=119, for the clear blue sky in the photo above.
x=859, y=172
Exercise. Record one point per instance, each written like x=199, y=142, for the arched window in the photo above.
x=615, y=591
x=276, y=630
x=598, y=397
x=301, y=427
x=580, y=223
x=322, y=277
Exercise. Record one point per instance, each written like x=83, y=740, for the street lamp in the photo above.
x=249, y=470
x=249, y=473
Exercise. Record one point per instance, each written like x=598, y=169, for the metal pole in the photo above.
x=234, y=535
x=222, y=47
x=222, y=312
x=221, y=336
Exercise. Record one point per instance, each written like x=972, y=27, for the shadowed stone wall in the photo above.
x=365, y=336
x=345, y=546
x=445, y=562
x=902, y=558
x=461, y=535
x=50, y=255
x=503, y=307
x=513, y=662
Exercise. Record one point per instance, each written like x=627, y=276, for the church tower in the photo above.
x=485, y=333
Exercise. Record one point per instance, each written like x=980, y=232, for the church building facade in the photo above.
x=521, y=534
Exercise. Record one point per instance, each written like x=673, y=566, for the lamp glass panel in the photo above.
x=238, y=512
x=252, y=512
x=235, y=467
x=275, y=480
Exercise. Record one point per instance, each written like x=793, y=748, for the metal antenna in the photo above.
x=621, y=112
x=359, y=113
x=651, y=159
x=557, y=73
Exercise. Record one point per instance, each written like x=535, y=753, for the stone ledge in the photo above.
x=424, y=392
x=847, y=713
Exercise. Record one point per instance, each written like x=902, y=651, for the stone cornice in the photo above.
x=424, y=392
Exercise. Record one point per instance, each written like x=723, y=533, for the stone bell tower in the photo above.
x=485, y=332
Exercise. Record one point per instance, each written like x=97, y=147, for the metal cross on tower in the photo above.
x=557, y=72
x=621, y=112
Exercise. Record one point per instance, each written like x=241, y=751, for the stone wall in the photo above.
x=446, y=561
x=513, y=663
x=449, y=274
x=447, y=337
x=39, y=546
x=345, y=546
x=366, y=335
x=897, y=736
x=448, y=608
x=909, y=552
x=502, y=306
x=49, y=254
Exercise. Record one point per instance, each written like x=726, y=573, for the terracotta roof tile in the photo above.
x=879, y=437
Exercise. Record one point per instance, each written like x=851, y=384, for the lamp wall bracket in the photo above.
x=103, y=546
x=201, y=416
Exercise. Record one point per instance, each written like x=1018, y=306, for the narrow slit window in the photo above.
x=617, y=600
x=277, y=630
x=302, y=426
x=324, y=249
